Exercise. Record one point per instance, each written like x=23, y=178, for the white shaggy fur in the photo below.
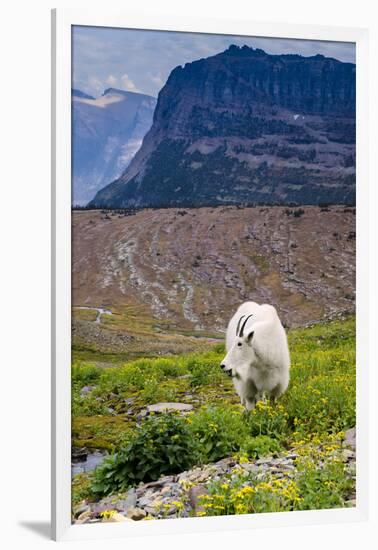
x=258, y=360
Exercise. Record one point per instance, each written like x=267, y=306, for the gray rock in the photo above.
x=136, y=514
x=129, y=400
x=102, y=506
x=350, y=438
x=167, y=407
x=84, y=516
x=144, y=501
x=204, y=475
x=151, y=510
x=264, y=460
x=128, y=502
x=86, y=389
x=142, y=414
x=225, y=463
x=249, y=466
x=82, y=508
x=348, y=455
x=78, y=455
x=289, y=466
x=167, y=479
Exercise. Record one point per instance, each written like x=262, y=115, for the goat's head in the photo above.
x=241, y=353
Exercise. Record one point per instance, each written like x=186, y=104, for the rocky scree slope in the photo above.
x=192, y=268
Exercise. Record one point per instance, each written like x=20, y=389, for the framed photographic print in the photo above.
x=209, y=275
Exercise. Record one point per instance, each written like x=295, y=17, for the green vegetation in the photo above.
x=311, y=417
x=161, y=445
x=164, y=338
x=261, y=445
x=320, y=482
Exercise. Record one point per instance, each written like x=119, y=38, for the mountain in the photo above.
x=246, y=127
x=107, y=132
x=78, y=93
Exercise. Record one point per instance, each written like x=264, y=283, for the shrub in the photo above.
x=170, y=366
x=81, y=488
x=261, y=445
x=154, y=391
x=204, y=370
x=84, y=374
x=320, y=481
x=323, y=486
x=219, y=431
x=243, y=493
x=298, y=213
x=322, y=404
x=87, y=405
x=161, y=445
x=270, y=420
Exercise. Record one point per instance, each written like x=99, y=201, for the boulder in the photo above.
x=169, y=407
x=84, y=517
x=82, y=507
x=136, y=514
x=350, y=438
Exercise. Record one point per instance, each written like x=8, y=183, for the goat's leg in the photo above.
x=250, y=404
x=276, y=392
x=251, y=395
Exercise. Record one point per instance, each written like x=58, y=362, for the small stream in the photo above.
x=87, y=464
x=100, y=311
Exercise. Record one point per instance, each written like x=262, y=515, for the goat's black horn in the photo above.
x=237, y=328
x=243, y=325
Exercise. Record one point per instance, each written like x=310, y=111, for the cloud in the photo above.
x=112, y=81
x=95, y=84
x=157, y=80
x=127, y=83
x=140, y=60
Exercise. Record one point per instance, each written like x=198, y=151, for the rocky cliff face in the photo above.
x=246, y=127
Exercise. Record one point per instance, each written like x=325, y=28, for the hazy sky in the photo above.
x=141, y=61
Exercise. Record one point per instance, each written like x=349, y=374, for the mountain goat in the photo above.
x=257, y=353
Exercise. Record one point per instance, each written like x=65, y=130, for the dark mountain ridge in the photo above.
x=246, y=127
x=79, y=93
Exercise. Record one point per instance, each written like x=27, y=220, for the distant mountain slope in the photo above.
x=193, y=267
x=107, y=132
x=243, y=127
x=79, y=93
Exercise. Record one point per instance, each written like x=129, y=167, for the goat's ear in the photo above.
x=249, y=336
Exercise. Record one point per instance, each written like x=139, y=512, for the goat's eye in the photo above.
x=239, y=343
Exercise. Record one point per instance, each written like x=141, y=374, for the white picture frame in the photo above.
x=62, y=21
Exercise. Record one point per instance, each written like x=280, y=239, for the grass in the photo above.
x=147, y=337
x=312, y=415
